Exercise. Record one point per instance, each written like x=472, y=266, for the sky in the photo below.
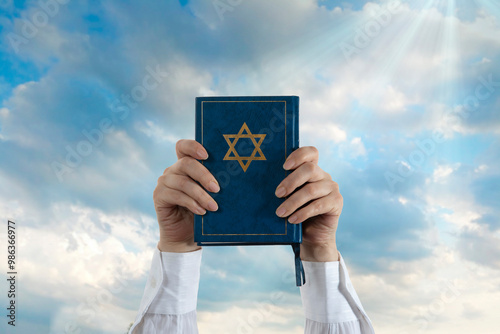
x=400, y=97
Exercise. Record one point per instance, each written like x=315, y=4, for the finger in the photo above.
x=307, y=172
x=190, y=148
x=191, y=189
x=168, y=197
x=300, y=156
x=308, y=193
x=195, y=170
x=331, y=204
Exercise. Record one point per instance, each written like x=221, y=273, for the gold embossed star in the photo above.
x=244, y=133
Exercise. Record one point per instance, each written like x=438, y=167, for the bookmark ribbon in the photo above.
x=300, y=275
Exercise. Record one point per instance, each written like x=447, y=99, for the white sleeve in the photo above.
x=169, y=301
x=330, y=303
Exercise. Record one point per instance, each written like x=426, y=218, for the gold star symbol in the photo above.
x=244, y=133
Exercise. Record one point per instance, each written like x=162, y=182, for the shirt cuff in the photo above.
x=178, y=292
x=322, y=297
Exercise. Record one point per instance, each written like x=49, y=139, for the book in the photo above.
x=248, y=139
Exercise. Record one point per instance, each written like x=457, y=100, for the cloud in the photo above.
x=329, y=132
x=480, y=245
x=366, y=114
x=354, y=149
x=263, y=317
x=441, y=172
x=95, y=259
x=429, y=294
x=375, y=225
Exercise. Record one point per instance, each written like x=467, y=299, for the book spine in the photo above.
x=198, y=138
x=295, y=122
x=294, y=111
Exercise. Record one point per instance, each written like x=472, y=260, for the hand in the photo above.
x=315, y=200
x=178, y=195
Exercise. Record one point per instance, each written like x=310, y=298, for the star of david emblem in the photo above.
x=256, y=139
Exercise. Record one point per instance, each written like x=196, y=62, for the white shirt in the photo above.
x=331, y=305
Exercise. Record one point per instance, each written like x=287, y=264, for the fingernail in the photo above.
x=213, y=187
x=292, y=219
x=280, y=192
x=202, y=154
x=201, y=211
x=213, y=206
x=288, y=164
x=281, y=211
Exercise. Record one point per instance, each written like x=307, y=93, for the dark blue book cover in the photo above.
x=248, y=139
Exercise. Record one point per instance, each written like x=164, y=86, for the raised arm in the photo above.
x=169, y=301
x=331, y=305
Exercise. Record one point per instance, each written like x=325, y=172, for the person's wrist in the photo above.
x=177, y=247
x=319, y=252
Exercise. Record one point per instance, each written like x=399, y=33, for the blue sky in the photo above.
x=401, y=98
